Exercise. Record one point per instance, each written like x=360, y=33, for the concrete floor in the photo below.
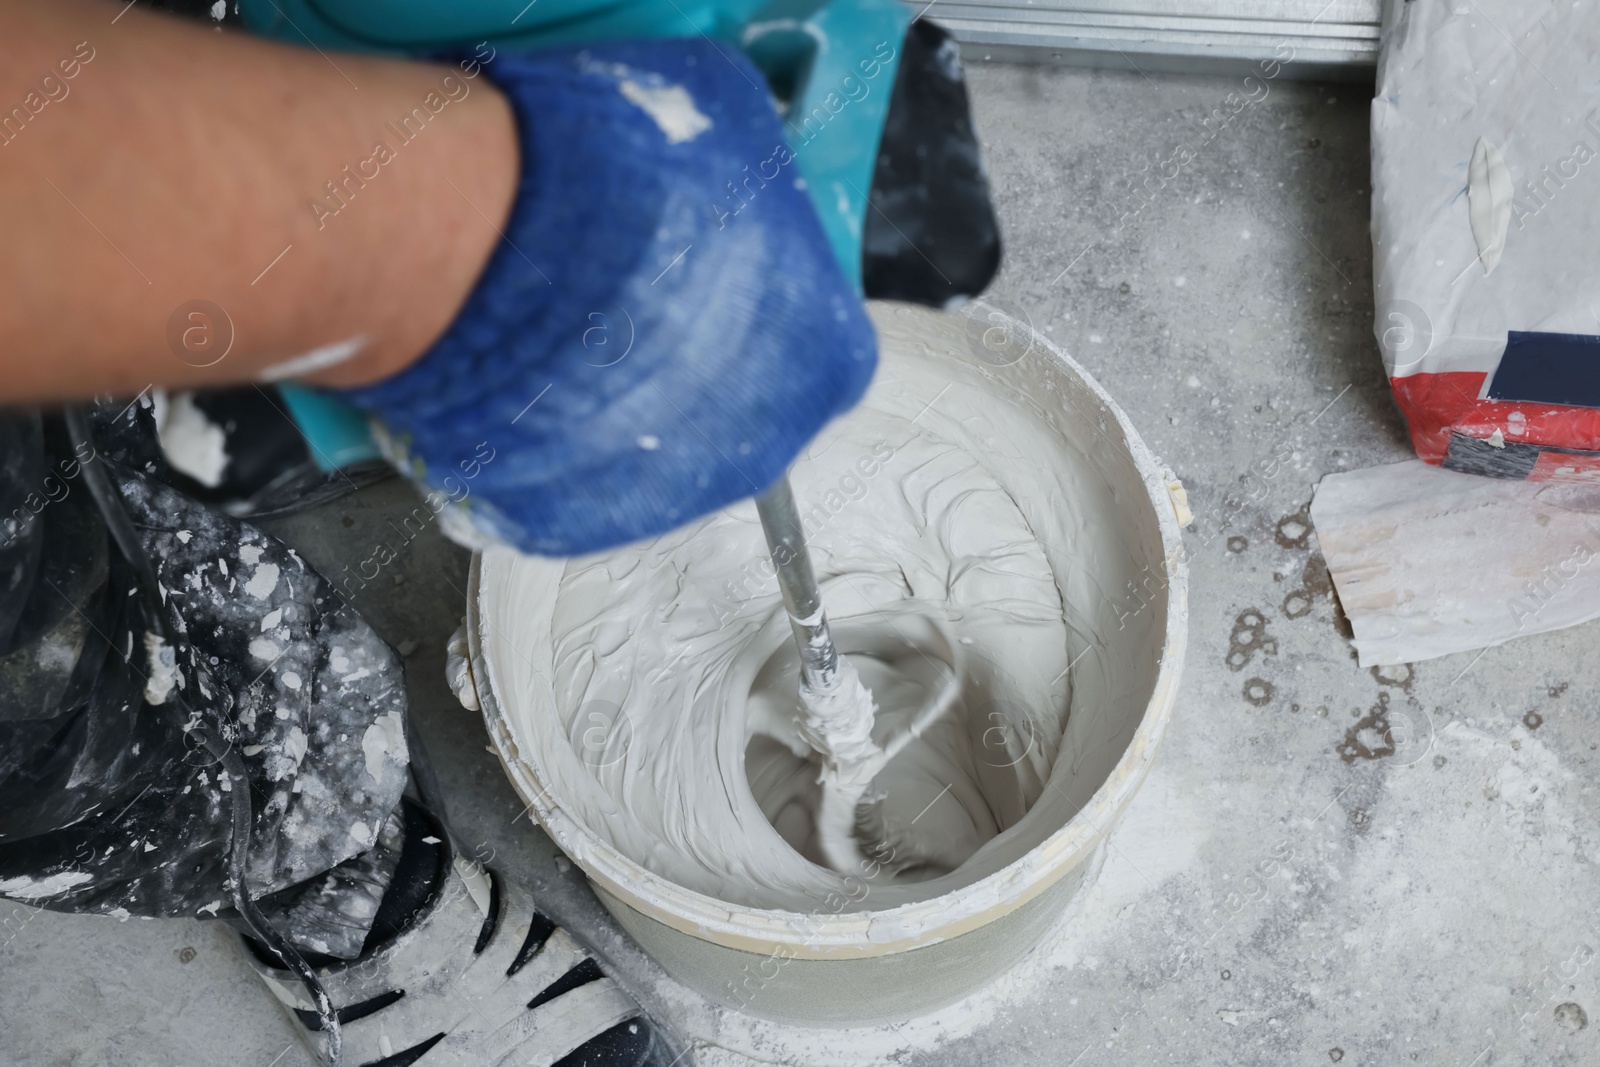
x=1292, y=885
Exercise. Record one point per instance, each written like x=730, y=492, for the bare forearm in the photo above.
x=174, y=168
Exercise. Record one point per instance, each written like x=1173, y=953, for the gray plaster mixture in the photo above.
x=926, y=520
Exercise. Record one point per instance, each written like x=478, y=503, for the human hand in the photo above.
x=662, y=329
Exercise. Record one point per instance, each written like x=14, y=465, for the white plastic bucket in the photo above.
x=1127, y=613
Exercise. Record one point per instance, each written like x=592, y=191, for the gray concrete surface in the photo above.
x=1327, y=865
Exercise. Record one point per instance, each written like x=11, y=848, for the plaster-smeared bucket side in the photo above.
x=1135, y=604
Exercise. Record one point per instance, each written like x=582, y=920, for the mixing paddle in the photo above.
x=836, y=709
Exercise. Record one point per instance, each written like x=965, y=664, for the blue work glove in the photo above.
x=664, y=326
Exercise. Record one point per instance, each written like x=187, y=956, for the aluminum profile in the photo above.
x=1312, y=39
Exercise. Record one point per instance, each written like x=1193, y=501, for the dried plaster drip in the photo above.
x=192, y=443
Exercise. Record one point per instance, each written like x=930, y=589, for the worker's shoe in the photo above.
x=474, y=976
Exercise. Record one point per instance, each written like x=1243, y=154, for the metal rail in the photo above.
x=1310, y=39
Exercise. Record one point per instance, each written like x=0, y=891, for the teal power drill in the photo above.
x=872, y=96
